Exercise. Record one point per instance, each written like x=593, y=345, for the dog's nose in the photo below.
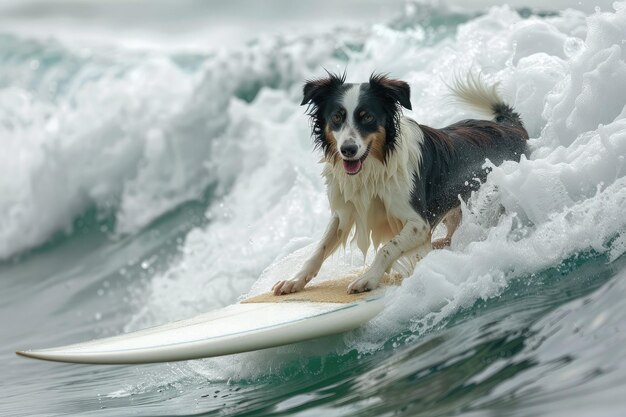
x=349, y=149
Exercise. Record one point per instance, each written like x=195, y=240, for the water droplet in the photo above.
x=573, y=46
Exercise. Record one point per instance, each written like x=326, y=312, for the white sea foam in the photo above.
x=135, y=135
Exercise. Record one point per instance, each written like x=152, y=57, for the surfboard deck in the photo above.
x=255, y=323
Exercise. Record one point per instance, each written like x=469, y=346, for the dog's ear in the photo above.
x=314, y=89
x=395, y=90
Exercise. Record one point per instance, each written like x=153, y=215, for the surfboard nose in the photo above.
x=29, y=354
x=34, y=354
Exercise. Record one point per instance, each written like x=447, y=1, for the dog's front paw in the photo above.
x=288, y=286
x=296, y=283
x=367, y=282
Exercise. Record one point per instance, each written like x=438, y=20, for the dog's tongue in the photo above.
x=352, y=167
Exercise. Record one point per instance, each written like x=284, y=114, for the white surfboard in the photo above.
x=256, y=323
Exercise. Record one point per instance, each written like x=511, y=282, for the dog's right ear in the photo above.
x=315, y=89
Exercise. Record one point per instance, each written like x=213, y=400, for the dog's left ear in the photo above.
x=396, y=90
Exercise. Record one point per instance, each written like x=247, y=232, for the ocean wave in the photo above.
x=132, y=134
x=138, y=133
x=564, y=73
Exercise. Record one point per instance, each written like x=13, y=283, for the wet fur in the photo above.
x=453, y=159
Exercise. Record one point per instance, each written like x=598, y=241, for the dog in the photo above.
x=392, y=179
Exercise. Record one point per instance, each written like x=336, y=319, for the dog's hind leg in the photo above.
x=451, y=220
x=326, y=247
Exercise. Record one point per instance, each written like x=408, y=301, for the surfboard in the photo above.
x=255, y=323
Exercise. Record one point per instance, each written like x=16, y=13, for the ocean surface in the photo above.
x=155, y=164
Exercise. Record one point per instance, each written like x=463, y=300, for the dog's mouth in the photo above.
x=353, y=167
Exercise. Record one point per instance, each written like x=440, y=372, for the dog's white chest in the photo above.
x=376, y=207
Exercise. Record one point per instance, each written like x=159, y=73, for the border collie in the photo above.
x=392, y=179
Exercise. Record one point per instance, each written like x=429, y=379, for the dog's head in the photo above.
x=352, y=121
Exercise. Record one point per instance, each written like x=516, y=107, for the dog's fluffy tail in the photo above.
x=474, y=92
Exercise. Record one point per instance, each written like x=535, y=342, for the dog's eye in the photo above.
x=337, y=117
x=366, y=117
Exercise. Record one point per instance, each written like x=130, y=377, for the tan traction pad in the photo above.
x=332, y=291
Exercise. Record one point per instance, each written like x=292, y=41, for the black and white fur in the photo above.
x=392, y=180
